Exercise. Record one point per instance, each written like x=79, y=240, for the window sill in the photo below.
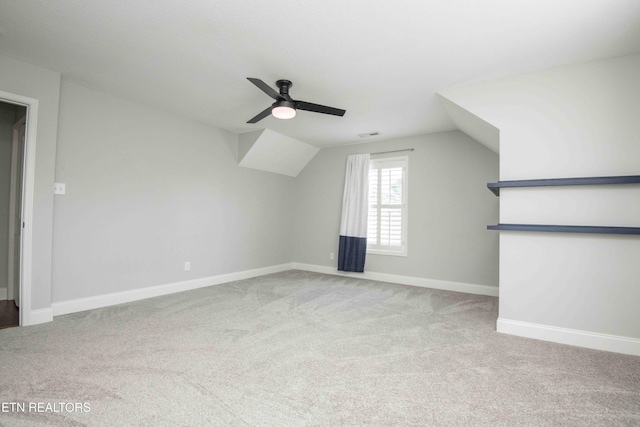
x=379, y=252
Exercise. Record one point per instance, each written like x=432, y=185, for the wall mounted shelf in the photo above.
x=565, y=229
x=601, y=180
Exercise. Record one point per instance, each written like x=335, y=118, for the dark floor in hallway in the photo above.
x=8, y=314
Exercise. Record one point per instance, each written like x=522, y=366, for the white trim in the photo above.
x=594, y=340
x=4, y=294
x=106, y=300
x=17, y=152
x=27, y=203
x=387, y=252
x=468, y=288
x=42, y=315
x=90, y=303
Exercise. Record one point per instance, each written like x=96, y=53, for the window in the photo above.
x=387, y=224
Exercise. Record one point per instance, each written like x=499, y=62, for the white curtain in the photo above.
x=355, y=207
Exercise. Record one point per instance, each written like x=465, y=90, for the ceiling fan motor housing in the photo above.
x=284, y=86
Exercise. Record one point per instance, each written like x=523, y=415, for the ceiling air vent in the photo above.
x=368, y=134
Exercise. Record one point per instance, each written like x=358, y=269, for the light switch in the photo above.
x=59, y=188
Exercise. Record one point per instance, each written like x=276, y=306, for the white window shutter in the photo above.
x=386, y=228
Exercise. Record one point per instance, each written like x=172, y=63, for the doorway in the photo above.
x=12, y=155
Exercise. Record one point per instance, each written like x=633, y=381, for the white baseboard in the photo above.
x=99, y=301
x=446, y=285
x=594, y=340
x=3, y=294
x=35, y=317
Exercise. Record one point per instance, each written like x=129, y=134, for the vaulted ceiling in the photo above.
x=382, y=61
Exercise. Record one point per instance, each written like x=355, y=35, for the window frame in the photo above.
x=377, y=249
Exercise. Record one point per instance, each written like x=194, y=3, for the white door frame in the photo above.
x=17, y=146
x=27, y=200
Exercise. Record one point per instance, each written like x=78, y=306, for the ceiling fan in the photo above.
x=285, y=107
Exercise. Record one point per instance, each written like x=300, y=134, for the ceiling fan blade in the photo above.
x=316, y=108
x=261, y=116
x=264, y=87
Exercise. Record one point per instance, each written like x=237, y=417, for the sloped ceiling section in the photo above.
x=477, y=128
x=271, y=151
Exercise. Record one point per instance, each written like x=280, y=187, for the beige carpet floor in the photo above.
x=305, y=349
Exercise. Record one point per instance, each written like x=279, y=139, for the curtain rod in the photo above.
x=393, y=151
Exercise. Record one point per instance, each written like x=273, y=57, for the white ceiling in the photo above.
x=382, y=61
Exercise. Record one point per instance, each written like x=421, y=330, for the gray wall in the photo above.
x=449, y=209
x=147, y=190
x=573, y=121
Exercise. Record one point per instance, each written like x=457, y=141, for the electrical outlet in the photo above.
x=59, y=188
x=331, y=256
x=187, y=266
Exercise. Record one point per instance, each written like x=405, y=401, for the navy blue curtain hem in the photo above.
x=352, y=253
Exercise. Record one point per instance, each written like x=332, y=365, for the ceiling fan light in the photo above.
x=283, y=112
